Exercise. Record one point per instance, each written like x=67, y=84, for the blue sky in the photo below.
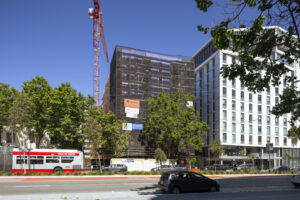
x=53, y=38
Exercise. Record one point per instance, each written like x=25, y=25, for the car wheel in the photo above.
x=57, y=169
x=175, y=190
x=213, y=188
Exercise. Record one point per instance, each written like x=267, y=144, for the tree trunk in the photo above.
x=99, y=160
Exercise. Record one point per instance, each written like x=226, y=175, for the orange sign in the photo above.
x=131, y=103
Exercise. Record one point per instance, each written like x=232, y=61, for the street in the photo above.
x=266, y=187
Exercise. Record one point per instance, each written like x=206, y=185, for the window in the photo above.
x=242, y=86
x=250, y=129
x=233, y=60
x=268, y=91
x=140, y=77
x=277, y=121
x=276, y=100
x=268, y=110
x=242, y=106
x=259, y=109
x=224, y=91
x=224, y=137
x=233, y=138
x=276, y=140
x=233, y=116
x=233, y=83
x=259, y=140
x=250, y=108
x=268, y=120
x=242, y=95
x=233, y=105
x=233, y=127
x=285, y=121
x=285, y=131
x=52, y=159
x=224, y=103
x=224, y=81
x=132, y=77
x=224, y=126
x=276, y=91
x=36, y=160
x=276, y=130
x=242, y=128
x=224, y=58
x=250, y=97
x=284, y=141
x=242, y=117
x=67, y=159
x=268, y=100
x=250, y=139
x=268, y=130
x=250, y=118
x=259, y=119
x=268, y=140
x=242, y=139
x=233, y=94
x=259, y=98
x=224, y=115
x=124, y=76
x=21, y=159
x=259, y=129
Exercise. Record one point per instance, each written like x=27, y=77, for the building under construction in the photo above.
x=136, y=75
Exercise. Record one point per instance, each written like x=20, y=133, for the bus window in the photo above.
x=52, y=159
x=37, y=160
x=67, y=159
x=20, y=159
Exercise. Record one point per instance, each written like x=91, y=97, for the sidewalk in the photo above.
x=116, y=177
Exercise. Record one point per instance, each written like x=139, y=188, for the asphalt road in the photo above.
x=257, y=188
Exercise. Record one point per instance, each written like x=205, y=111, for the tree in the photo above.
x=93, y=132
x=7, y=96
x=159, y=156
x=216, y=149
x=259, y=42
x=39, y=93
x=67, y=114
x=288, y=156
x=252, y=157
x=111, y=137
x=171, y=125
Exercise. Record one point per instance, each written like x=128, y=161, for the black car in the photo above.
x=186, y=181
x=283, y=168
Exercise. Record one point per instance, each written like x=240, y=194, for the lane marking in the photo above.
x=28, y=186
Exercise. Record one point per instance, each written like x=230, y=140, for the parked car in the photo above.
x=296, y=179
x=283, y=168
x=180, y=167
x=116, y=168
x=163, y=168
x=216, y=167
x=186, y=181
x=245, y=166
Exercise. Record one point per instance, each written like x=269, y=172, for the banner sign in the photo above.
x=132, y=103
x=132, y=110
x=137, y=127
x=127, y=126
x=130, y=115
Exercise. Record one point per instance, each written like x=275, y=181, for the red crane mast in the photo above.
x=98, y=35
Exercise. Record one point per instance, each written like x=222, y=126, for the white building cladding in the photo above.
x=239, y=118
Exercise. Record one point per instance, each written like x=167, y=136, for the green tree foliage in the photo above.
x=66, y=111
x=160, y=156
x=20, y=117
x=216, y=149
x=113, y=140
x=256, y=41
x=171, y=125
x=39, y=92
x=7, y=96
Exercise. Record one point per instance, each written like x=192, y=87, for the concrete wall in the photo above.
x=137, y=164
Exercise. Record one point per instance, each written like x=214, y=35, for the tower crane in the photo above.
x=98, y=35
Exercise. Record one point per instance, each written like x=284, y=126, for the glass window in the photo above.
x=242, y=86
x=21, y=159
x=284, y=141
x=242, y=106
x=259, y=118
x=285, y=121
x=285, y=131
x=268, y=140
x=259, y=130
x=36, y=160
x=259, y=109
x=259, y=98
x=250, y=139
x=242, y=95
x=242, y=117
x=268, y=100
x=233, y=83
x=250, y=108
x=276, y=140
x=224, y=91
x=224, y=103
x=268, y=91
x=224, y=137
x=250, y=129
x=276, y=100
x=233, y=138
x=242, y=128
x=242, y=139
x=268, y=120
x=224, y=81
x=277, y=121
x=224, y=115
x=250, y=118
x=224, y=126
x=233, y=116
x=224, y=58
x=276, y=91
x=259, y=140
x=233, y=94
x=276, y=130
x=250, y=97
x=268, y=130
x=67, y=159
x=268, y=110
x=233, y=127
x=233, y=105
x=52, y=159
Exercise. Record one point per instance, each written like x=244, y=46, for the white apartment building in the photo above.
x=241, y=119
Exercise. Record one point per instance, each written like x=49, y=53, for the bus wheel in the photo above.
x=57, y=169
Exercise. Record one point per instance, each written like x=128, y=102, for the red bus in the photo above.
x=47, y=160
